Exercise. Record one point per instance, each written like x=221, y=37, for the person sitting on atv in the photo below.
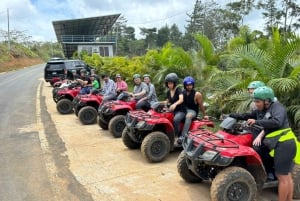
x=140, y=90
x=151, y=97
x=85, y=81
x=175, y=100
x=95, y=84
x=74, y=75
x=251, y=87
x=121, y=85
x=109, y=92
x=277, y=136
x=193, y=102
x=96, y=77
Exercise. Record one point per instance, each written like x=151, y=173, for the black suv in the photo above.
x=56, y=68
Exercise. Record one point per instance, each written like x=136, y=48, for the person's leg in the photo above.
x=139, y=105
x=283, y=161
x=178, y=117
x=284, y=187
x=188, y=120
x=108, y=98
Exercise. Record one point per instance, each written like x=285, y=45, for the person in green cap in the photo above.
x=251, y=87
x=277, y=136
x=140, y=90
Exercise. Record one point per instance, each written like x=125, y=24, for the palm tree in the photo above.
x=278, y=66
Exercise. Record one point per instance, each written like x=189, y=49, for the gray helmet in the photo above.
x=83, y=71
x=171, y=77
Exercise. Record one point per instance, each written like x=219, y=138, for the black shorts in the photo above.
x=284, y=157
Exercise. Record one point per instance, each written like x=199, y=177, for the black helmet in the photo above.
x=171, y=77
x=83, y=71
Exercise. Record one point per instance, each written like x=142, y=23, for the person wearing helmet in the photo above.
x=85, y=82
x=251, y=87
x=151, y=97
x=175, y=100
x=140, y=90
x=109, y=91
x=277, y=136
x=193, y=102
x=121, y=85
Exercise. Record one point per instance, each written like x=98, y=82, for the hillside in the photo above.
x=18, y=57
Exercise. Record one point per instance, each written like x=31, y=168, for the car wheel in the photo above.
x=156, y=146
x=64, y=106
x=233, y=184
x=102, y=124
x=117, y=125
x=128, y=142
x=87, y=115
x=184, y=171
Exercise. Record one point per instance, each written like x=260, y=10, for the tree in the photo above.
x=175, y=35
x=278, y=66
x=163, y=36
x=151, y=36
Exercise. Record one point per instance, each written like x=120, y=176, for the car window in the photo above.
x=55, y=66
x=69, y=65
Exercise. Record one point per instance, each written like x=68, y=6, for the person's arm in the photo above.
x=124, y=86
x=199, y=100
x=143, y=92
x=276, y=119
x=244, y=116
x=178, y=102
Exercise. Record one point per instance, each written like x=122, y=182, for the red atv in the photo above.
x=228, y=160
x=112, y=114
x=86, y=106
x=153, y=131
x=64, y=97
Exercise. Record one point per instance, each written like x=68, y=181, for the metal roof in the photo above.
x=100, y=25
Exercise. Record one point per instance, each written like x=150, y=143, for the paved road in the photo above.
x=27, y=171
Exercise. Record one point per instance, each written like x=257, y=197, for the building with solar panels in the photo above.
x=93, y=35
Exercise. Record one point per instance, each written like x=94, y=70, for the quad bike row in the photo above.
x=224, y=158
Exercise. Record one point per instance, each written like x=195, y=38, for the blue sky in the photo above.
x=35, y=17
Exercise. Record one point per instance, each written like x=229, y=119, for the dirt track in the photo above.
x=110, y=171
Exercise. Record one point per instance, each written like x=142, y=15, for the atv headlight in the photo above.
x=209, y=155
x=140, y=124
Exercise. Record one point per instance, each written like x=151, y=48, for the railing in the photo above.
x=88, y=39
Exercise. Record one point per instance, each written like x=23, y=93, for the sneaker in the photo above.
x=180, y=140
x=271, y=177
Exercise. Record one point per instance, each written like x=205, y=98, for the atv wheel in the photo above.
x=184, y=171
x=156, y=146
x=116, y=125
x=128, y=141
x=87, y=115
x=296, y=178
x=64, y=106
x=233, y=184
x=102, y=124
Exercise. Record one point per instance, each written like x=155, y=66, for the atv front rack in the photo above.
x=198, y=143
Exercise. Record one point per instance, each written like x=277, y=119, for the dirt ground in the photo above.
x=109, y=171
x=14, y=64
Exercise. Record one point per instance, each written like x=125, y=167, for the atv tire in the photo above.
x=128, y=141
x=184, y=171
x=87, y=115
x=64, y=106
x=233, y=183
x=116, y=125
x=102, y=124
x=156, y=146
x=296, y=178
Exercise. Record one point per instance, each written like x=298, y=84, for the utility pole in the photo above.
x=8, y=34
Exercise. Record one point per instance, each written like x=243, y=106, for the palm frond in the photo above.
x=207, y=48
x=284, y=85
